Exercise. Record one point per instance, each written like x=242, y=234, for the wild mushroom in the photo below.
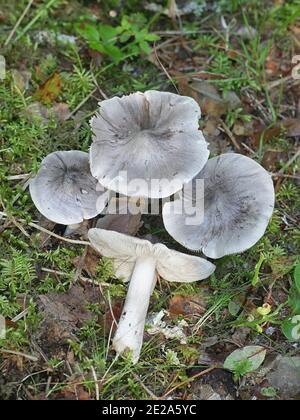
x=140, y=261
x=236, y=206
x=64, y=190
x=147, y=144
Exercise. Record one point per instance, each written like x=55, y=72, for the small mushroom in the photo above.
x=234, y=210
x=147, y=144
x=140, y=261
x=64, y=190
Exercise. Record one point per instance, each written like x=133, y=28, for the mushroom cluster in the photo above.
x=148, y=145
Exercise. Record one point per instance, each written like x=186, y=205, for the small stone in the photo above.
x=37, y=111
x=232, y=100
x=286, y=376
x=207, y=393
x=247, y=32
x=270, y=330
x=243, y=128
x=2, y=67
x=21, y=79
x=66, y=39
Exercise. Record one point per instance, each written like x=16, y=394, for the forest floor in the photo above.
x=59, y=299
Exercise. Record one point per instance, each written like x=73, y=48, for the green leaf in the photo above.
x=257, y=268
x=97, y=46
x=294, y=300
x=234, y=307
x=90, y=33
x=108, y=33
x=125, y=37
x=268, y=392
x=125, y=23
x=145, y=47
x=140, y=35
x=297, y=277
x=245, y=360
x=114, y=52
x=152, y=37
x=133, y=49
x=291, y=328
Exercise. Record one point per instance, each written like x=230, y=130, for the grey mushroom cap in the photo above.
x=235, y=209
x=64, y=190
x=151, y=135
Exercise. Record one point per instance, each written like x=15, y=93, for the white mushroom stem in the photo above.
x=71, y=229
x=130, y=331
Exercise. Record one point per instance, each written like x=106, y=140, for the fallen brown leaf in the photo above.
x=188, y=306
x=2, y=16
x=243, y=129
x=74, y=390
x=209, y=99
x=272, y=158
x=184, y=87
x=240, y=336
x=36, y=111
x=272, y=67
x=11, y=324
x=125, y=222
x=78, y=394
x=63, y=315
x=291, y=126
x=112, y=315
x=49, y=90
x=91, y=261
x=128, y=224
x=60, y=111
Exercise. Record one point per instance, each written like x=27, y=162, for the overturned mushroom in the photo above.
x=64, y=190
x=140, y=261
x=234, y=209
x=147, y=144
